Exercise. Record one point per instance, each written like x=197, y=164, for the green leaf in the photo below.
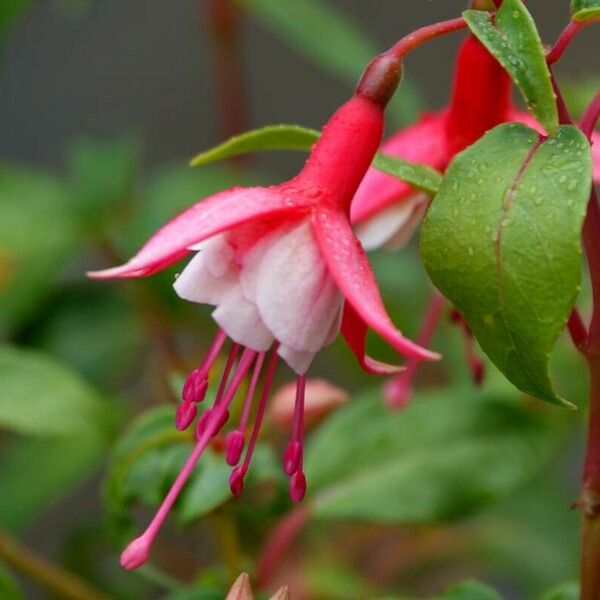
x=447, y=455
x=41, y=397
x=272, y=137
x=564, y=591
x=37, y=234
x=515, y=42
x=9, y=588
x=10, y=10
x=501, y=241
x=36, y=473
x=584, y=10
x=95, y=330
x=469, y=590
x=422, y=177
x=295, y=137
x=102, y=177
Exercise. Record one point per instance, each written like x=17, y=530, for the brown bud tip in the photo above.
x=241, y=589
x=380, y=79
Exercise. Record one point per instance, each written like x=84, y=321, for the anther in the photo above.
x=297, y=486
x=186, y=413
x=234, y=445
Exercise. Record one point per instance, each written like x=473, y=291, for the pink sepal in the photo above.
x=350, y=268
x=204, y=219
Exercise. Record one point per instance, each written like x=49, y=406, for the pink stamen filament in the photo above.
x=236, y=439
x=237, y=476
x=292, y=460
x=137, y=551
x=213, y=352
x=233, y=352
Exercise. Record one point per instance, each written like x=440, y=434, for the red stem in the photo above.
x=563, y=41
x=420, y=36
x=224, y=22
x=591, y=116
x=280, y=539
x=590, y=496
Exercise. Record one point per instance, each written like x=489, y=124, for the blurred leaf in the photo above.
x=583, y=10
x=37, y=233
x=10, y=10
x=41, y=397
x=514, y=40
x=296, y=137
x=9, y=588
x=578, y=93
x=95, y=331
x=450, y=453
x=197, y=593
x=511, y=264
x=37, y=473
x=102, y=178
x=565, y=591
x=309, y=26
x=469, y=590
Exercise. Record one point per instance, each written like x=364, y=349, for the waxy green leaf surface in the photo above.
x=514, y=40
x=584, y=10
x=295, y=137
x=502, y=242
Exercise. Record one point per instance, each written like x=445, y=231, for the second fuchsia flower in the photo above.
x=285, y=273
x=387, y=211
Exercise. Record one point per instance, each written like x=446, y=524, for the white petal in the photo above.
x=298, y=361
x=210, y=275
x=394, y=225
x=296, y=296
x=241, y=321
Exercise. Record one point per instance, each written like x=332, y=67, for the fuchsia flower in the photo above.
x=385, y=210
x=285, y=272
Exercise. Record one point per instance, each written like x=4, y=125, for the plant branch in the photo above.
x=563, y=40
x=591, y=116
x=590, y=496
x=224, y=19
x=53, y=578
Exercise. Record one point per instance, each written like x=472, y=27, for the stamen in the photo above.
x=138, y=550
x=298, y=486
x=196, y=385
x=235, y=441
x=233, y=352
x=236, y=480
x=292, y=458
x=186, y=413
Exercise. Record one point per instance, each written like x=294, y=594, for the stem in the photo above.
x=590, y=496
x=420, y=36
x=224, y=20
x=578, y=330
x=563, y=40
x=53, y=578
x=383, y=74
x=591, y=116
x=280, y=539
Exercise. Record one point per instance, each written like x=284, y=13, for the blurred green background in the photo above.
x=102, y=103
